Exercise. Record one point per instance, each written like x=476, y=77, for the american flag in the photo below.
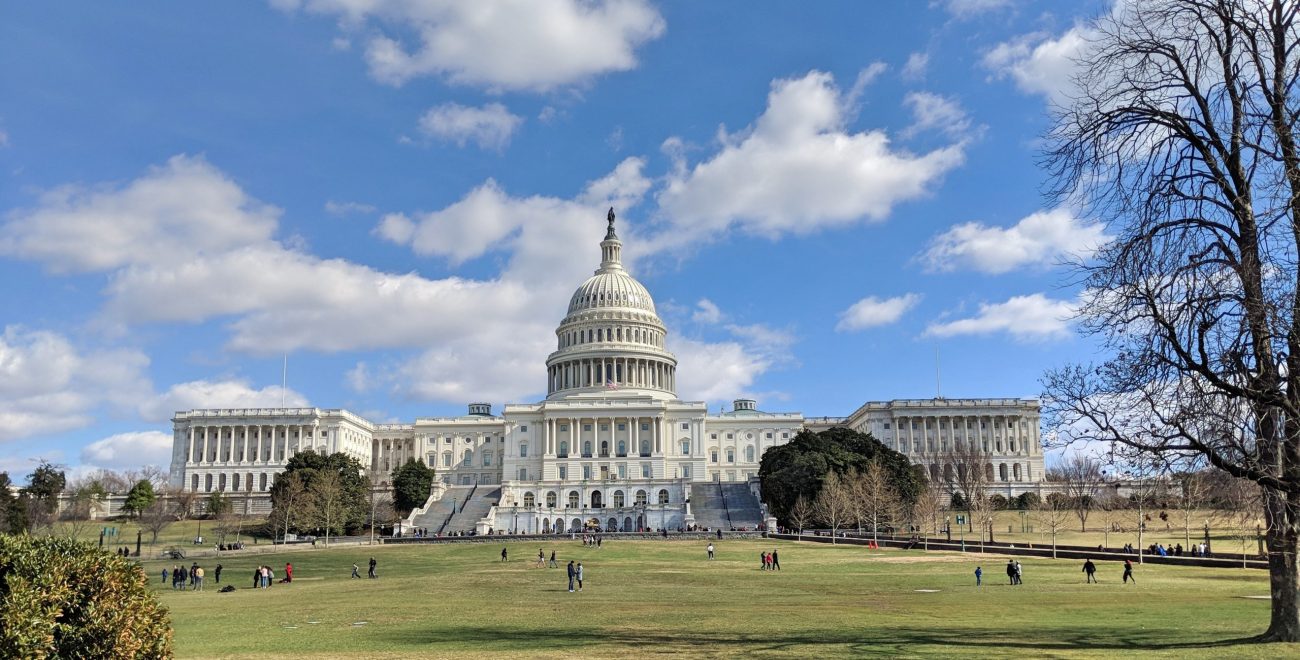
x=611, y=384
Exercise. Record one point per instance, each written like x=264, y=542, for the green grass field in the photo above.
x=649, y=598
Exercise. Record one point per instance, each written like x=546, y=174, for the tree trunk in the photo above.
x=1282, y=536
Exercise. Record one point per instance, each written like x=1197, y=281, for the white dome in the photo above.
x=614, y=288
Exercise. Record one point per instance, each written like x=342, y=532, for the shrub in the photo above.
x=61, y=598
x=999, y=502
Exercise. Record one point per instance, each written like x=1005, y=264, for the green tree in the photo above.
x=217, y=504
x=308, y=466
x=799, y=467
x=411, y=484
x=139, y=497
x=8, y=507
x=40, y=498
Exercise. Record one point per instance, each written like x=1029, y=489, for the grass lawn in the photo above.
x=645, y=598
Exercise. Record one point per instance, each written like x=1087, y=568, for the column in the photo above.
x=633, y=436
x=189, y=448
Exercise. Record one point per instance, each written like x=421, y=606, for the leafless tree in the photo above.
x=927, y=511
x=1180, y=135
x=874, y=498
x=328, y=501
x=1113, y=511
x=1051, y=516
x=1193, y=492
x=834, y=503
x=967, y=471
x=159, y=516
x=1079, y=477
x=1242, y=515
x=286, y=502
x=802, y=513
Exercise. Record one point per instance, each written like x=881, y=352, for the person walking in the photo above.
x=979, y=575
x=579, y=576
x=1090, y=570
x=554, y=564
x=1128, y=572
x=374, y=563
x=216, y=573
x=288, y=572
x=257, y=577
x=1011, y=570
x=356, y=571
x=503, y=554
x=198, y=579
x=1020, y=574
x=541, y=558
x=776, y=561
x=164, y=575
x=710, y=549
x=572, y=574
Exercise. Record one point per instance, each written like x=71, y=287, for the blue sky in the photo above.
x=400, y=196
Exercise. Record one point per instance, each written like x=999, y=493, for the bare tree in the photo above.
x=1079, y=477
x=929, y=507
x=1180, y=135
x=328, y=501
x=1242, y=517
x=1051, y=515
x=1193, y=490
x=874, y=498
x=1113, y=511
x=286, y=502
x=967, y=472
x=802, y=513
x=834, y=503
x=159, y=516
x=184, y=501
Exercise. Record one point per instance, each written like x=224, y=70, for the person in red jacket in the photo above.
x=288, y=572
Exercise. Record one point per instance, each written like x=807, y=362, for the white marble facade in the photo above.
x=611, y=433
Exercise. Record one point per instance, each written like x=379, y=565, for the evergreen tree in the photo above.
x=411, y=484
x=139, y=497
x=308, y=466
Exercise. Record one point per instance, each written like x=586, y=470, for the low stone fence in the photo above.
x=1062, y=552
x=608, y=536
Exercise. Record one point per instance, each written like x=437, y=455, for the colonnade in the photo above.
x=966, y=428
x=619, y=371
x=654, y=440
x=246, y=444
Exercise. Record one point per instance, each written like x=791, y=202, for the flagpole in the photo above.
x=284, y=378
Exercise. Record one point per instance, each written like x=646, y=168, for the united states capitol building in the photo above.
x=611, y=445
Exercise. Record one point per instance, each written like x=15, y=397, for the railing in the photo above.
x=726, y=512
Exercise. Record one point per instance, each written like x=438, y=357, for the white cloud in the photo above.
x=706, y=312
x=183, y=208
x=48, y=386
x=1039, y=239
x=1040, y=63
x=932, y=112
x=490, y=127
x=871, y=312
x=967, y=8
x=4, y=139
x=1025, y=318
x=497, y=44
x=200, y=394
x=128, y=451
x=623, y=188
x=916, y=65
x=725, y=370
x=348, y=208
x=797, y=169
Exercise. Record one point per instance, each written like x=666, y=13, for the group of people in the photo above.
x=1015, y=572
x=541, y=559
x=122, y=552
x=264, y=576
x=191, y=577
x=356, y=570
x=771, y=562
x=575, y=574
x=591, y=540
x=1172, y=550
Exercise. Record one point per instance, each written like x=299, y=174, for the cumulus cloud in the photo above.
x=1040, y=63
x=128, y=451
x=490, y=126
x=932, y=112
x=797, y=169
x=724, y=370
x=1039, y=239
x=871, y=312
x=184, y=207
x=706, y=312
x=914, y=68
x=47, y=385
x=964, y=9
x=201, y=394
x=1033, y=317
x=497, y=44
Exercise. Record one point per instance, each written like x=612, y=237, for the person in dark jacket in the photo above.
x=572, y=574
x=1090, y=570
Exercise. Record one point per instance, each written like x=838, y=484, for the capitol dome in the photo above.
x=611, y=338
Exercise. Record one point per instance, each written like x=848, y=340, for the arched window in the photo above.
x=597, y=500
x=1002, y=472
x=663, y=496
x=261, y=481
x=207, y=483
x=749, y=454
x=573, y=499
x=604, y=448
x=235, y=485
x=640, y=498
x=618, y=499
x=564, y=449
x=988, y=471
x=550, y=499
x=645, y=447
x=1015, y=471
x=731, y=455
x=686, y=447
x=529, y=499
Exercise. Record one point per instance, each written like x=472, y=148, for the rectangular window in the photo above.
x=730, y=436
x=604, y=427
x=586, y=427
x=586, y=472
x=622, y=427
x=886, y=426
x=645, y=427
x=564, y=472
x=686, y=426
x=523, y=451
x=686, y=471
x=785, y=435
x=622, y=471
x=769, y=436
x=645, y=470
x=523, y=428
x=713, y=436
x=564, y=427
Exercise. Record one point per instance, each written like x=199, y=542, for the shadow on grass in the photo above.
x=487, y=639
